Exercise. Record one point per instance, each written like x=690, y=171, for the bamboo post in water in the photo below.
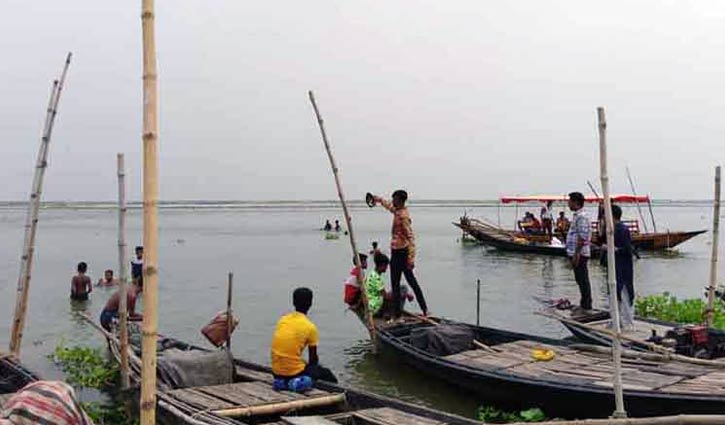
x=348, y=221
x=619, y=411
x=122, y=270
x=715, y=250
x=31, y=220
x=229, y=312
x=150, y=217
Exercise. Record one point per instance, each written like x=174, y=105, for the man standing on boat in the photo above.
x=547, y=219
x=578, y=248
x=402, y=251
x=625, y=269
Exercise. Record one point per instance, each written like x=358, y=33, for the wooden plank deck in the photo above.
x=390, y=416
x=594, y=369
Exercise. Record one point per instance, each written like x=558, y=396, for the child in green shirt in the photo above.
x=374, y=284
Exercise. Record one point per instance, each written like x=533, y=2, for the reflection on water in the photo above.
x=272, y=251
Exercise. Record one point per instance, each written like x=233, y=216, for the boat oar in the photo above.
x=477, y=343
x=667, y=353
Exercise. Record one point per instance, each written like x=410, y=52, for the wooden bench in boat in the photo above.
x=252, y=398
x=588, y=368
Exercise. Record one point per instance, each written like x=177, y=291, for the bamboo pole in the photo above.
x=229, y=312
x=619, y=411
x=348, y=221
x=710, y=314
x=281, y=407
x=652, y=214
x=31, y=220
x=636, y=202
x=122, y=270
x=150, y=217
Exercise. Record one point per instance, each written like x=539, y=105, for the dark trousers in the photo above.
x=581, y=275
x=398, y=267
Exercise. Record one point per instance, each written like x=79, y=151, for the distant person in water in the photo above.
x=402, y=251
x=295, y=332
x=107, y=279
x=328, y=226
x=110, y=311
x=137, y=264
x=81, y=285
x=337, y=226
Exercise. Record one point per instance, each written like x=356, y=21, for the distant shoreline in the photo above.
x=309, y=204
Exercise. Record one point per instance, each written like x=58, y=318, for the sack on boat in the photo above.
x=443, y=340
x=216, y=330
x=196, y=368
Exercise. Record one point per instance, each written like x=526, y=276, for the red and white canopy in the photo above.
x=618, y=198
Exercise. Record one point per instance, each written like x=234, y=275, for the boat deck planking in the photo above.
x=585, y=368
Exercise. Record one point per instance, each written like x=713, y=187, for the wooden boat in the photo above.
x=575, y=383
x=251, y=399
x=594, y=329
x=511, y=240
x=13, y=377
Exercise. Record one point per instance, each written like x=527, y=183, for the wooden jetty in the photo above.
x=250, y=398
x=501, y=367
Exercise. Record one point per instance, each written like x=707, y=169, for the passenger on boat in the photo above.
x=547, y=219
x=137, y=264
x=352, y=288
x=44, y=402
x=530, y=224
x=625, y=269
x=81, y=285
x=562, y=223
x=402, y=251
x=328, y=226
x=375, y=285
x=110, y=311
x=578, y=241
x=295, y=332
x=107, y=279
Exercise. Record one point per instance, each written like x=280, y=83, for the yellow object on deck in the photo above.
x=542, y=354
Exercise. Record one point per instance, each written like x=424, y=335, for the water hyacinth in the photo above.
x=668, y=308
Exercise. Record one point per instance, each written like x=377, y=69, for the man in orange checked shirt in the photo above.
x=402, y=250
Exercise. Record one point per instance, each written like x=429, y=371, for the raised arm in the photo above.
x=388, y=205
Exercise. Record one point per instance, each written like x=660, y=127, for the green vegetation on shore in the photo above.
x=670, y=309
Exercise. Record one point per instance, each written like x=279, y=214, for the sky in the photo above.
x=450, y=100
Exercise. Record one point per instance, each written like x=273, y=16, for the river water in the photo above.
x=273, y=248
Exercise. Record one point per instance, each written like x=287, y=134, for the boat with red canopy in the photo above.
x=535, y=240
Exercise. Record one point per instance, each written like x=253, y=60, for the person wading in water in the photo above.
x=402, y=251
x=81, y=285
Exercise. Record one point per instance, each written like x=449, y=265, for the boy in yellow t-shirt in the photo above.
x=294, y=333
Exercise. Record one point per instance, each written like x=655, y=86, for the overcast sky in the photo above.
x=448, y=99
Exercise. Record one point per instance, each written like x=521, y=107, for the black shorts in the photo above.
x=79, y=297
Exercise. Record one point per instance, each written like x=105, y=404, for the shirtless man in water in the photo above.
x=107, y=279
x=110, y=311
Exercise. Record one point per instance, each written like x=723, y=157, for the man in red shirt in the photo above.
x=402, y=250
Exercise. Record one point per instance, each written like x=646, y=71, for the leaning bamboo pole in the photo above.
x=122, y=270
x=709, y=313
x=636, y=202
x=348, y=220
x=31, y=220
x=150, y=217
x=619, y=411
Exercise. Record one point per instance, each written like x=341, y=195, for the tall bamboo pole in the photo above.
x=636, y=202
x=122, y=270
x=31, y=219
x=150, y=217
x=230, y=320
x=348, y=221
x=715, y=249
x=619, y=411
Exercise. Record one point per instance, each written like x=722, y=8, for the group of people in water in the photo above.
x=295, y=331
x=329, y=228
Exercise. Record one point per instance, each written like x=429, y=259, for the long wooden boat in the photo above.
x=13, y=377
x=575, y=383
x=505, y=240
x=250, y=399
x=594, y=329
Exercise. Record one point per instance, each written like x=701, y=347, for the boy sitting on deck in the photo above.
x=295, y=332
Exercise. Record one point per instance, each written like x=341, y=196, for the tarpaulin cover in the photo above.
x=619, y=198
x=442, y=340
x=195, y=368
